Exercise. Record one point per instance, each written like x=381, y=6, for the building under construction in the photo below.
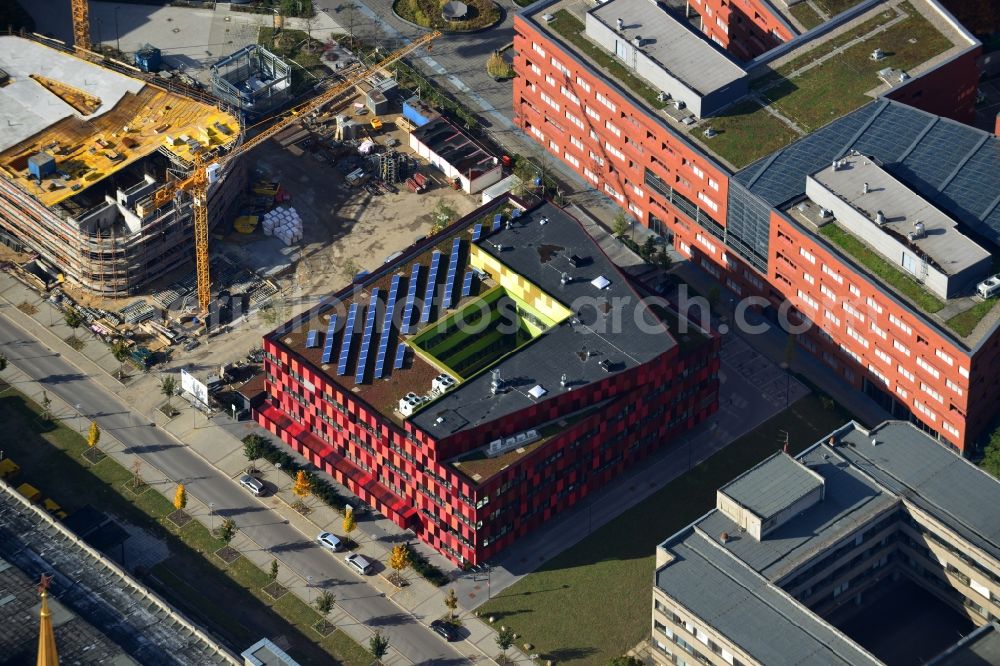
x=83, y=149
x=252, y=79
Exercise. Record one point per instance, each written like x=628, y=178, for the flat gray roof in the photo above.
x=979, y=648
x=750, y=611
x=27, y=107
x=772, y=485
x=735, y=587
x=948, y=247
x=913, y=465
x=689, y=56
x=626, y=336
x=850, y=500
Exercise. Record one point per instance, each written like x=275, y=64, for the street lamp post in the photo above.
x=211, y=508
x=309, y=583
x=79, y=417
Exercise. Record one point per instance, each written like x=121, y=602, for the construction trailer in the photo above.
x=253, y=80
x=84, y=150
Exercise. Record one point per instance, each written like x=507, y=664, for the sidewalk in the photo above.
x=217, y=441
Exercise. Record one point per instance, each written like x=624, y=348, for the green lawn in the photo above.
x=746, y=132
x=592, y=602
x=838, y=86
x=572, y=30
x=882, y=268
x=834, y=7
x=806, y=15
x=963, y=323
x=191, y=578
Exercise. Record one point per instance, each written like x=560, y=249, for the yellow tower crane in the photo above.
x=81, y=24
x=207, y=167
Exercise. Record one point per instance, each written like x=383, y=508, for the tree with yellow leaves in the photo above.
x=180, y=497
x=399, y=559
x=302, y=487
x=93, y=435
x=349, y=523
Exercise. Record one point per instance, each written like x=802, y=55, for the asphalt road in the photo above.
x=203, y=481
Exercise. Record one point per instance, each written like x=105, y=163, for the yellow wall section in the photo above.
x=518, y=287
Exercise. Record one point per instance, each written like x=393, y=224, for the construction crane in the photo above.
x=81, y=24
x=207, y=166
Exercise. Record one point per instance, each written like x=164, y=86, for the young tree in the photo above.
x=180, y=497
x=451, y=601
x=93, y=435
x=324, y=602
x=273, y=573
x=253, y=448
x=121, y=351
x=349, y=524
x=74, y=319
x=227, y=530
x=648, y=249
x=46, y=407
x=302, y=487
x=136, y=473
x=399, y=559
x=620, y=224
x=991, y=455
x=663, y=260
x=378, y=645
x=505, y=639
x=168, y=387
x=498, y=68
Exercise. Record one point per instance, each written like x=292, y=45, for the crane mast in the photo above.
x=206, y=166
x=81, y=24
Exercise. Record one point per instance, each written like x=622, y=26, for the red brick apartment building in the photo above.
x=474, y=434
x=764, y=173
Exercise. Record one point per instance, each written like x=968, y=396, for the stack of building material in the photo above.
x=283, y=223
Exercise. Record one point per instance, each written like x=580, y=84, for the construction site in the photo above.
x=83, y=151
x=114, y=183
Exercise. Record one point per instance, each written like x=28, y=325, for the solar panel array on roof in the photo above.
x=449, y=283
x=400, y=356
x=467, y=284
x=366, y=339
x=312, y=339
x=345, y=345
x=497, y=221
x=331, y=330
x=411, y=297
x=425, y=314
x=954, y=166
x=477, y=232
x=383, y=342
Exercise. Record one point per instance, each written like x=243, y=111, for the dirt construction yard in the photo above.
x=345, y=230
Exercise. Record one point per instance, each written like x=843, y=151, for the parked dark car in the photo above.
x=445, y=630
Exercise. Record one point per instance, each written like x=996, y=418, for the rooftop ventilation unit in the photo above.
x=866, y=188
x=879, y=218
x=989, y=287
x=620, y=23
x=877, y=54
x=825, y=213
x=537, y=391
x=679, y=104
x=637, y=41
x=498, y=446
x=710, y=133
x=662, y=96
x=919, y=231
x=443, y=383
x=409, y=403
x=496, y=383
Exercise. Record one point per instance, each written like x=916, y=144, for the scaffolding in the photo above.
x=252, y=79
